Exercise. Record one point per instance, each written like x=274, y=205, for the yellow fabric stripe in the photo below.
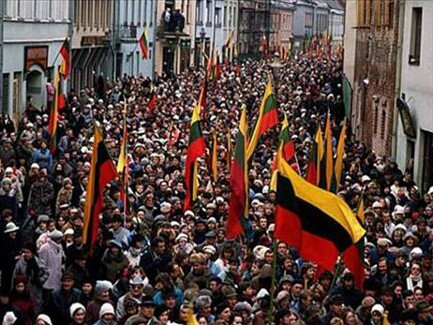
x=195, y=114
x=90, y=196
x=329, y=203
x=214, y=157
x=340, y=153
x=320, y=151
x=256, y=134
x=329, y=153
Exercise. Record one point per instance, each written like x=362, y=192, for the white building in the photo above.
x=336, y=24
x=416, y=93
x=34, y=31
x=133, y=17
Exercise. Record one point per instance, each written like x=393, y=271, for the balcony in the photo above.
x=128, y=32
x=171, y=25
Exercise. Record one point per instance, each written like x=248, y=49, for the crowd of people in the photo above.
x=155, y=263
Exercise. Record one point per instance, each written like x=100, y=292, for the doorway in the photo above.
x=34, y=89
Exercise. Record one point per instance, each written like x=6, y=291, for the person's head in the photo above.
x=67, y=281
x=415, y=269
x=424, y=311
x=349, y=316
x=418, y=294
x=43, y=319
x=348, y=280
x=377, y=313
x=106, y=313
x=387, y=296
x=204, y=305
x=147, y=307
x=296, y=288
x=136, y=286
x=158, y=245
x=335, y=304
x=78, y=313
x=382, y=265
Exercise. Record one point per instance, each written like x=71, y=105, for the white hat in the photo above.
x=35, y=165
x=69, y=232
x=9, y=170
x=384, y=242
x=379, y=308
x=189, y=213
x=262, y=293
x=74, y=307
x=181, y=236
x=9, y=318
x=377, y=204
x=210, y=249
x=174, y=224
x=106, y=308
x=56, y=235
x=414, y=253
x=165, y=207
x=11, y=227
x=45, y=318
x=365, y=178
x=401, y=227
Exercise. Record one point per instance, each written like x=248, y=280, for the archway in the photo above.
x=34, y=88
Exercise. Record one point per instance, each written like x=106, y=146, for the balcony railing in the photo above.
x=128, y=32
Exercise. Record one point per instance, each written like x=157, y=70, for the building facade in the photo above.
x=374, y=75
x=414, y=120
x=92, y=46
x=303, y=19
x=132, y=18
x=281, y=24
x=254, y=26
x=336, y=22
x=33, y=32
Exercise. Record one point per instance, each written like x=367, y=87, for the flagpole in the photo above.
x=273, y=278
x=125, y=168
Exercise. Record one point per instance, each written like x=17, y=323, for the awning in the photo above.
x=406, y=118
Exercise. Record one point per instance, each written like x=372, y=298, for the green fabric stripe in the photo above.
x=270, y=103
x=195, y=132
x=239, y=152
x=284, y=135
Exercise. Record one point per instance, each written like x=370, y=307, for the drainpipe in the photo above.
x=1, y=52
x=154, y=8
x=398, y=75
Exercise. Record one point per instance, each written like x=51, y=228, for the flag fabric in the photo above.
x=54, y=114
x=214, y=163
x=191, y=319
x=238, y=204
x=121, y=163
x=153, y=102
x=288, y=152
x=338, y=168
x=144, y=45
x=196, y=149
x=268, y=118
x=102, y=172
x=316, y=154
x=229, y=149
x=354, y=255
x=326, y=163
x=238, y=70
x=61, y=98
x=202, y=98
x=316, y=222
x=65, y=53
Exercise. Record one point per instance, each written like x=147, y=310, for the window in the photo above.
x=383, y=124
x=218, y=17
x=427, y=166
x=187, y=12
x=225, y=16
x=208, y=12
x=5, y=92
x=145, y=13
x=415, y=39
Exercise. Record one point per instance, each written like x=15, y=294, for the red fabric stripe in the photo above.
x=311, y=247
x=269, y=120
x=354, y=264
x=106, y=173
x=312, y=173
x=64, y=52
x=196, y=149
x=237, y=200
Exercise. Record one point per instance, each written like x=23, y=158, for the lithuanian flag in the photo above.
x=229, y=149
x=354, y=255
x=238, y=205
x=287, y=151
x=196, y=149
x=102, y=172
x=54, y=114
x=316, y=222
x=268, y=118
x=326, y=163
x=338, y=168
x=65, y=53
x=144, y=46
